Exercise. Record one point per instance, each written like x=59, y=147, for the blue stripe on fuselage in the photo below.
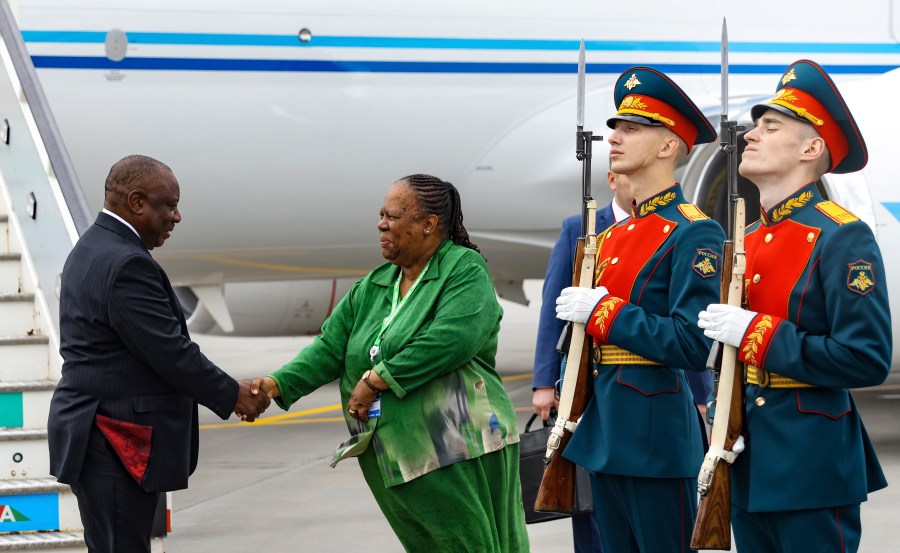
x=366, y=66
x=332, y=41
x=894, y=208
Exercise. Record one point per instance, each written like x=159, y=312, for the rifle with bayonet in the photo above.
x=712, y=527
x=557, y=490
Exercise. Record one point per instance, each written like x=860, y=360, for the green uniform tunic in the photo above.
x=446, y=402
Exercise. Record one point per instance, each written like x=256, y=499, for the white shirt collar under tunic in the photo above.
x=123, y=221
x=619, y=213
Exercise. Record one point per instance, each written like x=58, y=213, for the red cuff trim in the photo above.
x=601, y=320
x=757, y=339
x=131, y=443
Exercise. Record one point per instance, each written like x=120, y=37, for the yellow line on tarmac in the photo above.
x=514, y=377
x=305, y=421
x=314, y=411
x=294, y=418
x=226, y=260
x=282, y=419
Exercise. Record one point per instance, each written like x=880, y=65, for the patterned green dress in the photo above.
x=442, y=459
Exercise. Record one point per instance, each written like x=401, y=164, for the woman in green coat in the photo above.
x=413, y=345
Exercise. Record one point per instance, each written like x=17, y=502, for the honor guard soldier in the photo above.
x=640, y=435
x=816, y=323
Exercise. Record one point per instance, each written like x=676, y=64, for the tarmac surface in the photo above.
x=268, y=486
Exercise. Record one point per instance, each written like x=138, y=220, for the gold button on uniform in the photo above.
x=760, y=401
x=595, y=373
x=667, y=228
x=768, y=238
x=756, y=279
x=608, y=234
x=614, y=260
x=631, y=226
x=810, y=237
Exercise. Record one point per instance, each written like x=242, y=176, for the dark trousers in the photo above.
x=645, y=515
x=827, y=530
x=586, y=534
x=116, y=513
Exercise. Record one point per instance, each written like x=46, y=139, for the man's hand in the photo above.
x=250, y=404
x=543, y=400
x=575, y=303
x=725, y=323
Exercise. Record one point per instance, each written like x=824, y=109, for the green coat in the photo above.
x=446, y=402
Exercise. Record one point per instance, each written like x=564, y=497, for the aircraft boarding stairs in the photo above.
x=42, y=210
x=31, y=501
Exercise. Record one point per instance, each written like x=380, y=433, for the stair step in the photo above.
x=43, y=541
x=10, y=272
x=30, y=486
x=16, y=314
x=23, y=453
x=25, y=404
x=24, y=357
x=37, y=505
x=16, y=297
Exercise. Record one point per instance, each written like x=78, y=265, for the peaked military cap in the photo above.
x=806, y=92
x=647, y=97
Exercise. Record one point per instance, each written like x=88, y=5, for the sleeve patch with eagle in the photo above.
x=706, y=263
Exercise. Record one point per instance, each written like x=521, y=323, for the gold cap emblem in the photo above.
x=632, y=81
x=788, y=77
x=632, y=102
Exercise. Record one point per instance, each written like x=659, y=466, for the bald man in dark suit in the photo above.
x=123, y=419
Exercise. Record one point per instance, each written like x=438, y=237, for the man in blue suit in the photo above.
x=817, y=322
x=547, y=361
x=123, y=419
x=639, y=436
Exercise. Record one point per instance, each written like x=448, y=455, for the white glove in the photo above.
x=728, y=456
x=725, y=323
x=575, y=303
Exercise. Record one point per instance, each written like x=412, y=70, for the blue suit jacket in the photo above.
x=127, y=355
x=559, y=276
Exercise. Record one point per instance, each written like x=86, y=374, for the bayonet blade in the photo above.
x=724, y=70
x=579, y=116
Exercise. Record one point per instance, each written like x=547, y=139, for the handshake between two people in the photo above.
x=254, y=397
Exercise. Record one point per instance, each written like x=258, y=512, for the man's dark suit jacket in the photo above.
x=559, y=275
x=127, y=355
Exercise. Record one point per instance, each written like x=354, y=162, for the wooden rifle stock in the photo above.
x=557, y=491
x=712, y=527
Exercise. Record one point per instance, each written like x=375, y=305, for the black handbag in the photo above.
x=532, y=447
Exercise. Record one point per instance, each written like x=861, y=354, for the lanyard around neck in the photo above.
x=397, y=304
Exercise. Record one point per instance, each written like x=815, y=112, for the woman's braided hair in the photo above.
x=438, y=197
